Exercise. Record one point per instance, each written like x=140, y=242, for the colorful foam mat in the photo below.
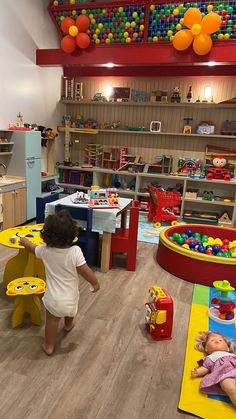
x=191, y=400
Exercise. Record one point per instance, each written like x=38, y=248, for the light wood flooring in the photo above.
x=106, y=367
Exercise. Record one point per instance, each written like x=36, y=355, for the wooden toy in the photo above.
x=187, y=126
x=103, y=198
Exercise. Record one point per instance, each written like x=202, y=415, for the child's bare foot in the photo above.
x=68, y=328
x=48, y=349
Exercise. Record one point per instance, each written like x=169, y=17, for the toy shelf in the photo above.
x=199, y=105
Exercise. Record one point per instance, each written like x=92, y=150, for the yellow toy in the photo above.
x=26, y=301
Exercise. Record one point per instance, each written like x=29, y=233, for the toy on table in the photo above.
x=223, y=307
x=159, y=314
x=103, y=198
x=218, y=368
x=80, y=198
x=155, y=126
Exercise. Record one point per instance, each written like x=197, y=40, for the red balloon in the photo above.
x=66, y=23
x=68, y=44
x=82, y=40
x=82, y=23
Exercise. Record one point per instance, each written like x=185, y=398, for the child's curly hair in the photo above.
x=59, y=230
x=204, y=336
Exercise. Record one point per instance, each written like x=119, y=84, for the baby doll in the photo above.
x=219, y=366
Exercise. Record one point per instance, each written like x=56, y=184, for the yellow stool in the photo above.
x=26, y=301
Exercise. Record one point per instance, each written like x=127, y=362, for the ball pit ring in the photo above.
x=193, y=266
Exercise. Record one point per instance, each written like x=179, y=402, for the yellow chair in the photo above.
x=25, y=290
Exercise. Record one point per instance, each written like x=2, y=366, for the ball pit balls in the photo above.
x=205, y=244
x=164, y=20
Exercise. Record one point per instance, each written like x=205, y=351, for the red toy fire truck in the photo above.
x=159, y=314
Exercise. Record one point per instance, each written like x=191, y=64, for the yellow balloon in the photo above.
x=182, y=39
x=73, y=30
x=202, y=44
x=211, y=23
x=192, y=16
x=196, y=29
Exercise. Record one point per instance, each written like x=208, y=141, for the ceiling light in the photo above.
x=109, y=65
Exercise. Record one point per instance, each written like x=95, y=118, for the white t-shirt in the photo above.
x=62, y=290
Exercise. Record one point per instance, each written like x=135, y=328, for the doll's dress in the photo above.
x=221, y=365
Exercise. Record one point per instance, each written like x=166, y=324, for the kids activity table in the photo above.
x=25, y=263
x=104, y=221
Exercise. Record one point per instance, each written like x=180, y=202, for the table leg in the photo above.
x=106, y=249
x=123, y=219
x=23, y=264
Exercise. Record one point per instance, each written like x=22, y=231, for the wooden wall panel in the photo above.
x=172, y=118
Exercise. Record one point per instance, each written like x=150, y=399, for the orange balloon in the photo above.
x=202, y=44
x=192, y=16
x=82, y=40
x=82, y=23
x=182, y=39
x=66, y=23
x=211, y=23
x=68, y=44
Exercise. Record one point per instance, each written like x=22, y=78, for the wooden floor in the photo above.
x=107, y=367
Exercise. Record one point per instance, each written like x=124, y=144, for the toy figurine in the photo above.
x=218, y=368
x=175, y=97
x=190, y=94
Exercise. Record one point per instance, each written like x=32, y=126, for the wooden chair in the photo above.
x=88, y=240
x=124, y=240
x=40, y=205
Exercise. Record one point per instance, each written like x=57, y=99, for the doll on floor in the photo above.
x=218, y=368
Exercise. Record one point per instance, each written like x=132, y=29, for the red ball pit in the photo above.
x=193, y=266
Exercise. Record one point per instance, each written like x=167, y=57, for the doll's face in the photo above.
x=215, y=343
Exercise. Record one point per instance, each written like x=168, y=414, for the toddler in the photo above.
x=218, y=368
x=63, y=262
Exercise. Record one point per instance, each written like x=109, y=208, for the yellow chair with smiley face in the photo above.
x=26, y=291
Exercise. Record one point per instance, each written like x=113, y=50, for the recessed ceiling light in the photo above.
x=211, y=63
x=109, y=65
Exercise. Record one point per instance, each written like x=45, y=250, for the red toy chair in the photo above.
x=124, y=240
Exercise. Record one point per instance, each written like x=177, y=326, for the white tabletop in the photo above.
x=104, y=219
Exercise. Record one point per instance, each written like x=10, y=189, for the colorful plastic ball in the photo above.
x=210, y=8
x=178, y=27
x=204, y=238
x=82, y=40
x=176, y=12
x=68, y=44
x=152, y=7
x=180, y=240
x=66, y=23
x=215, y=248
x=55, y=3
x=222, y=316
x=155, y=39
x=189, y=233
x=192, y=245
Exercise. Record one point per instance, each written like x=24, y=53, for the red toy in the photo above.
x=159, y=315
x=163, y=205
x=218, y=171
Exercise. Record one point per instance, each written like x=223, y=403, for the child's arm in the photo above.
x=89, y=276
x=27, y=244
x=199, y=372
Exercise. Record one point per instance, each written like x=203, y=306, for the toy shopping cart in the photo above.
x=163, y=206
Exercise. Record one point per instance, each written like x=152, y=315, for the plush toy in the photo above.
x=48, y=134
